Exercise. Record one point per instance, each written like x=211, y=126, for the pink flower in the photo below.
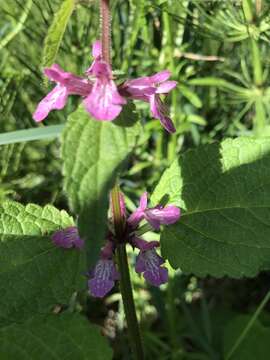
x=156, y=216
x=102, y=98
x=104, y=101
x=66, y=84
x=149, y=263
x=149, y=89
x=68, y=238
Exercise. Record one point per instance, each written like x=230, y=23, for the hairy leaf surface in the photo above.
x=67, y=336
x=224, y=191
x=93, y=153
x=34, y=274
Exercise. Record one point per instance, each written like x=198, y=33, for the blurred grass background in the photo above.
x=218, y=51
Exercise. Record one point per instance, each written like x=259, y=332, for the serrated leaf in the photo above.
x=34, y=274
x=224, y=191
x=67, y=336
x=56, y=32
x=93, y=153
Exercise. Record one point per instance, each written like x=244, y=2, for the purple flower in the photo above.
x=68, y=238
x=66, y=84
x=156, y=216
x=149, y=262
x=103, y=278
x=104, y=274
x=149, y=89
x=104, y=101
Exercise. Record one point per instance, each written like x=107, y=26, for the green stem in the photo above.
x=168, y=44
x=250, y=13
x=129, y=306
x=125, y=283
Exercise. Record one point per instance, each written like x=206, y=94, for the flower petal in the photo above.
x=160, y=76
x=75, y=84
x=140, y=264
x=149, y=263
x=104, y=276
x=54, y=100
x=143, y=244
x=138, y=214
x=104, y=102
x=165, y=216
x=158, y=277
x=160, y=111
x=143, y=201
x=97, y=49
x=100, y=288
x=166, y=87
x=68, y=238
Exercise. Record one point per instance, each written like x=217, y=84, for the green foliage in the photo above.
x=255, y=344
x=56, y=32
x=218, y=51
x=224, y=193
x=31, y=134
x=19, y=26
x=34, y=274
x=67, y=336
x=94, y=153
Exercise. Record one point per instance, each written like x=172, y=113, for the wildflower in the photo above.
x=149, y=262
x=101, y=97
x=66, y=84
x=104, y=101
x=156, y=216
x=149, y=89
x=103, y=276
x=68, y=238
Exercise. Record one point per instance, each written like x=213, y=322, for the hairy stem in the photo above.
x=105, y=19
x=125, y=283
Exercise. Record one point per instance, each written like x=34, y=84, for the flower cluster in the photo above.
x=102, y=98
x=148, y=263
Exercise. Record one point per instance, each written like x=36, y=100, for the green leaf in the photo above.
x=220, y=83
x=255, y=345
x=190, y=95
x=35, y=275
x=67, y=336
x=224, y=192
x=93, y=153
x=56, y=32
x=31, y=134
